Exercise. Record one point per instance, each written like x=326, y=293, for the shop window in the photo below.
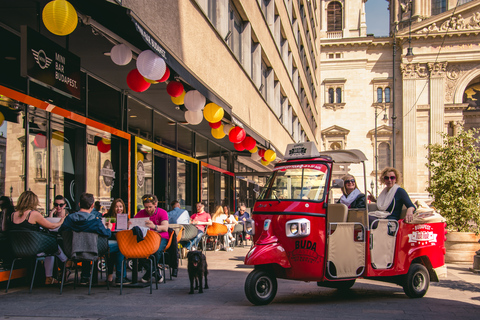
x=144, y=168
x=140, y=120
x=184, y=140
x=164, y=131
x=201, y=148
x=104, y=103
x=334, y=16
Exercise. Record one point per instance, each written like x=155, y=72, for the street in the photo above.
x=456, y=297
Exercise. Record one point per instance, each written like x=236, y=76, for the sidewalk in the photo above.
x=463, y=272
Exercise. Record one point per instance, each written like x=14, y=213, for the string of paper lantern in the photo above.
x=215, y=125
x=121, y=54
x=179, y=100
x=175, y=88
x=213, y=113
x=236, y=135
x=136, y=81
x=166, y=75
x=102, y=147
x=150, y=65
x=194, y=101
x=193, y=117
x=218, y=132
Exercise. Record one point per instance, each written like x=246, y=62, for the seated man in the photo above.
x=200, y=220
x=178, y=215
x=242, y=216
x=85, y=221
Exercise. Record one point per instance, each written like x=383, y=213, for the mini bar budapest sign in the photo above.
x=49, y=63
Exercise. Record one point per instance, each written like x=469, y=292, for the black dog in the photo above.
x=197, y=269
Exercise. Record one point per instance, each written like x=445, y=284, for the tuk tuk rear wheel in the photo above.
x=417, y=281
x=260, y=287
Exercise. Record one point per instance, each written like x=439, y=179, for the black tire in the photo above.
x=344, y=285
x=417, y=281
x=260, y=287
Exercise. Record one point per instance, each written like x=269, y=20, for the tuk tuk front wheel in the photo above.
x=417, y=281
x=260, y=287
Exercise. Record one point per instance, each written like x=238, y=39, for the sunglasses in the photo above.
x=148, y=198
x=391, y=178
x=58, y=204
x=350, y=181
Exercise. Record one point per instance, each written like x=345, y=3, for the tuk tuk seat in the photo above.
x=373, y=207
x=337, y=212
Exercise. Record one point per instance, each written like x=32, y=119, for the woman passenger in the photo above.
x=352, y=197
x=393, y=197
x=28, y=218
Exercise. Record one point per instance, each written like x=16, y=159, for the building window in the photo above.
x=338, y=92
x=334, y=16
x=387, y=94
x=384, y=155
x=331, y=98
x=439, y=6
x=263, y=85
x=235, y=25
x=379, y=95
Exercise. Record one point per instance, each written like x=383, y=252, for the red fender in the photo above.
x=267, y=254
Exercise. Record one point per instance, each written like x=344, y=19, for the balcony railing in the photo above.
x=334, y=34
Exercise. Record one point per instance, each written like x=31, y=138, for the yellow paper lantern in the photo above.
x=213, y=113
x=150, y=81
x=265, y=163
x=2, y=118
x=269, y=155
x=218, y=133
x=180, y=99
x=254, y=150
x=106, y=141
x=57, y=138
x=140, y=156
x=60, y=17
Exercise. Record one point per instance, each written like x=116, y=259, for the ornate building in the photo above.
x=392, y=111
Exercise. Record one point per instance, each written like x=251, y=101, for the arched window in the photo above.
x=384, y=155
x=387, y=94
x=379, y=95
x=331, y=98
x=334, y=16
x=338, y=92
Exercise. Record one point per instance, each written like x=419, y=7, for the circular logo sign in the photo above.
x=140, y=174
x=107, y=173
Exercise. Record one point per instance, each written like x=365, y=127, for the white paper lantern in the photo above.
x=227, y=128
x=194, y=117
x=194, y=100
x=255, y=156
x=150, y=65
x=121, y=54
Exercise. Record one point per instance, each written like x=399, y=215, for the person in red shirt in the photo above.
x=158, y=221
x=201, y=219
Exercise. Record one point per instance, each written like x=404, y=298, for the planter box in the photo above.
x=461, y=247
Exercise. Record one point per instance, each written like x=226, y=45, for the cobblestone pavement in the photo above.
x=458, y=296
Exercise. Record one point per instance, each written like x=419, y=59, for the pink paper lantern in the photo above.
x=136, y=81
x=166, y=75
x=249, y=143
x=237, y=135
x=215, y=125
x=238, y=146
x=175, y=88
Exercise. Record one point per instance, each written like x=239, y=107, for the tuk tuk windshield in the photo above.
x=296, y=182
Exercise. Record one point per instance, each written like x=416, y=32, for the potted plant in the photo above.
x=455, y=186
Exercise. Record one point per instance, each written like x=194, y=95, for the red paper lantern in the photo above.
x=215, y=125
x=239, y=146
x=102, y=147
x=136, y=81
x=40, y=141
x=237, y=135
x=166, y=75
x=261, y=152
x=175, y=88
x=249, y=143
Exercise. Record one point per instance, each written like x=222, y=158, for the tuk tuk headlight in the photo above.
x=298, y=228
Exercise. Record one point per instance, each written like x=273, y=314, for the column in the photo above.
x=437, y=126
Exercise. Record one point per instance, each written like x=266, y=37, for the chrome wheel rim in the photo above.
x=263, y=287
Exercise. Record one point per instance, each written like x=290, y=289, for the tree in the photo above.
x=455, y=180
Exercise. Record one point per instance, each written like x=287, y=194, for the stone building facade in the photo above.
x=389, y=106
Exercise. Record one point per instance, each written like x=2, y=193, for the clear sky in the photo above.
x=377, y=17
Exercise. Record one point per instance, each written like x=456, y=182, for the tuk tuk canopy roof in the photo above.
x=345, y=156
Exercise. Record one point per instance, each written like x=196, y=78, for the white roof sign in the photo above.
x=301, y=150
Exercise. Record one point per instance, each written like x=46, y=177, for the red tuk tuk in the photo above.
x=300, y=234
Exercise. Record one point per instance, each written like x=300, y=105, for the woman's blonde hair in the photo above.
x=390, y=169
x=218, y=212
x=345, y=178
x=27, y=201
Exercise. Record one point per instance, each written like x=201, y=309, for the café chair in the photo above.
x=171, y=235
x=145, y=249
x=237, y=232
x=213, y=231
x=29, y=244
x=97, y=248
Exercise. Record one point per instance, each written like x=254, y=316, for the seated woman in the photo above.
x=231, y=222
x=220, y=217
x=28, y=218
x=117, y=206
x=59, y=207
x=392, y=198
x=352, y=197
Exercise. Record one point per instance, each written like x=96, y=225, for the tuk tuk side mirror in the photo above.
x=337, y=183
